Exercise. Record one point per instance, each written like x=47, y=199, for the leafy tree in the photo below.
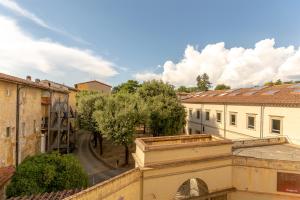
x=164, y=113
x=222, y=87
x=118, y=119
x=86, y=107
x=154, y=88
x=278, y=82
x=183, y=89
x=46, y=173
x=130, y=86
x=270, y=83
x=203, y=82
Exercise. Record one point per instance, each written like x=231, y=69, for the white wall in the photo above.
x=290, y=117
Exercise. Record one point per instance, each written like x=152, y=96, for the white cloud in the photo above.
x=16, y=8
x=147, y=76
x=237, y=67
x=20, y=52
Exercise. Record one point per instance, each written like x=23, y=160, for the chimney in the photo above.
x=28, y=78
x=37, y=80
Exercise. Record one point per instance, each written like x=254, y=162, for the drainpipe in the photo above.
x=262, y=111
x=225, y=111
x=201, y=117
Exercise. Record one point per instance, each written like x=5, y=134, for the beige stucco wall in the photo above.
x=290, y=117
x=164, y=183
x=7, y=119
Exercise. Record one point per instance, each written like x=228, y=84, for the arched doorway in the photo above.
x=196, y=189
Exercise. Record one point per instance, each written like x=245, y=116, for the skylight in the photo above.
x=270, y=92
x=295, y=86
x=296, y=91
x=258, y=88
x=234, y=94
x=249, y=93
x=223, y=94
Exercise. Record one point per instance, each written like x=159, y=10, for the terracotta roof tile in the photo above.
x=48, y=196
x=93, y=81
x=13, y=79
x=278, y=94
x=5, y=174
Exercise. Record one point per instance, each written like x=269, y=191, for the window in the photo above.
x=233, y=119
x=23, y=129
x=219, y=117
x=207, y=115
x=8, y=131
x=7, y=92
x=198, y=114
x=276, y=126
x=34, y=126
x=190, y=131
x=191, y=113
x=251, y=122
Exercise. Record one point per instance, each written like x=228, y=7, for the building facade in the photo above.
x=205, y=167
x=246, y=113
x=24, y=115
x=94, y=86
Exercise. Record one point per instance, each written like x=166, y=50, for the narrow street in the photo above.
x=95, y=169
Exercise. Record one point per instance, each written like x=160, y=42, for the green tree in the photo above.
x=278, y=82
x=86, y=107
x=130, y=86
x=203, y=82
x=222, y=87
x=183, y=89
x=46, y=173
x=270, y=83
x=164, y=114
x=118, y=119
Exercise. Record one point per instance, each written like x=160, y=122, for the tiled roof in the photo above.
x=93, y=81
x=5, y=174
x=13, y=79
x=48, y=196
x=278, y=94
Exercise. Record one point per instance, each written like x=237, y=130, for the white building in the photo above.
x=246, y=113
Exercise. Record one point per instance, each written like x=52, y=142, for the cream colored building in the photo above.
x=246, y=113
x=24, y=108
x=94, y=86
x=205, y=167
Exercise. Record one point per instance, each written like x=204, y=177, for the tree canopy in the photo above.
x=222, y=87
x=46, y=173
x=118, y=119
x=130, y=86
x=203, y=82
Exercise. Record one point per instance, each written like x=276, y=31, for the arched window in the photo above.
x=193, y=187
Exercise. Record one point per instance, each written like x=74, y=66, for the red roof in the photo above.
x=48, y=196
x=5, y=174
x=278, y=94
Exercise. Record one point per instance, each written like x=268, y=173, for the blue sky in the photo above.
x=138, y=37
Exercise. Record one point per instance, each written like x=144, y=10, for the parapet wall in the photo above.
x=124, y=186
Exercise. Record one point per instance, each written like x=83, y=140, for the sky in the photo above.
x=237, y=42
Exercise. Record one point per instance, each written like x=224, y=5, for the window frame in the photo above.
x=207, y=117
x=280, y=119
x=230, y=118
x=198, y=113
x=219, y=112
x=190, y=113
x=247, y=121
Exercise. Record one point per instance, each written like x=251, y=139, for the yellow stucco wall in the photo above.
x=94, y=86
